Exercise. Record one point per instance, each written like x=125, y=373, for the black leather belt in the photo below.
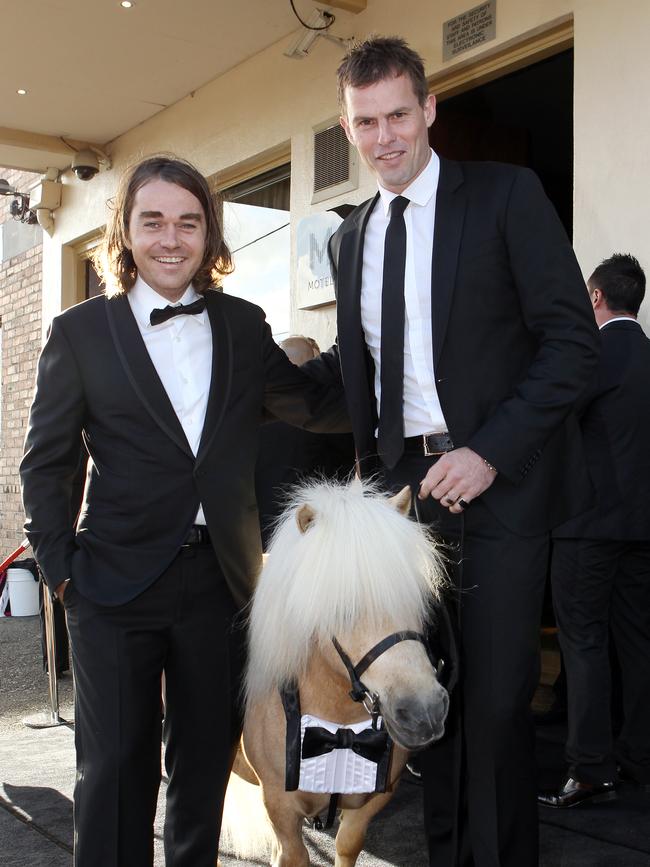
x=429, y=444
x=197, y=535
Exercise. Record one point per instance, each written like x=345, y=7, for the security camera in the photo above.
x=85, y=165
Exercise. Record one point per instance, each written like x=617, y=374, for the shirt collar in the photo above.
x=618, y=319
x=420, y=190
x=144, y=299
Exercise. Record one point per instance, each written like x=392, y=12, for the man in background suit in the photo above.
x=289, y=455
x=601, y=559
x=464, y=338
x=167, y=381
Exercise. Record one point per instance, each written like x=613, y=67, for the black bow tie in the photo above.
x=370, y=743
x=159, y=315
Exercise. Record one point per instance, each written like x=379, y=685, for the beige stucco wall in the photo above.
x=612, y=133
x=270, y=100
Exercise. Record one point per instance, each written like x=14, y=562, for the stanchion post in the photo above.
x=48, y=609
x=45, y=720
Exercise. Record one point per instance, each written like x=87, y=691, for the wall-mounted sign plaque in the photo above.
x=469, y=29
x=314, y=283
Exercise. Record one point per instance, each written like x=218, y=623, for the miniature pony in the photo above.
x=347, y=572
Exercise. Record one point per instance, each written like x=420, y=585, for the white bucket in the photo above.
x=23, y=592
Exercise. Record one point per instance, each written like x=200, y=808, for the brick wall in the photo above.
x=20, y=317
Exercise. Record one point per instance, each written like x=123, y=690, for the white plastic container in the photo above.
x=23, y=592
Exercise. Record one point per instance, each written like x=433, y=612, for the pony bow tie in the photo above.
x=369, y=744
x=159, y=315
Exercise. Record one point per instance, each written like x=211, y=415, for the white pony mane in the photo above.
x=360, y=562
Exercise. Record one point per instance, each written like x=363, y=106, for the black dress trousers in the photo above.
x=480, y=780
x=182, y=625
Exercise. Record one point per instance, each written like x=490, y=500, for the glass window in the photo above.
x=256, y=228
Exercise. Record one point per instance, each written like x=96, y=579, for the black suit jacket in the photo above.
x=616, y=429
x=96, y=379
x=514, y=338
x=289, y=456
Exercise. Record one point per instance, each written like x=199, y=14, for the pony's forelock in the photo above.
x=359, y=562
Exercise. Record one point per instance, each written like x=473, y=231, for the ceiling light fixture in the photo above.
x=5, y=188
x=21, y=91
x=127, y=4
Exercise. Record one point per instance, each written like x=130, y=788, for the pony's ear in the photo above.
x=402, y=501
x=305, y=517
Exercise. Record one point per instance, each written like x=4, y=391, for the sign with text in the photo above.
x=469, y=29
x=315, y=284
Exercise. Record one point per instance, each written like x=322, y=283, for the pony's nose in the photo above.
x=422, y=720
x=441, y=708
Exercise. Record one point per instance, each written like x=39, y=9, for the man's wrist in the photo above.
x=489, y=466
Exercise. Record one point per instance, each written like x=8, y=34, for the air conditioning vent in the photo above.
x=335, y=162
x=331, y=158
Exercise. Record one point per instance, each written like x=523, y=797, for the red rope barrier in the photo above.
x=24, y=545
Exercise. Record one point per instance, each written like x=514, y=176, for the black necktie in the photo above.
x=390, y=442
x=159, y=315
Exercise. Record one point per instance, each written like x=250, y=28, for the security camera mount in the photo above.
x=317, y=27
x=87, y=162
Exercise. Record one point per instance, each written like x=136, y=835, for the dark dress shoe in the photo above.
x=574, y=793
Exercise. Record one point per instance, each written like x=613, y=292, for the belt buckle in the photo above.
x=428, y=453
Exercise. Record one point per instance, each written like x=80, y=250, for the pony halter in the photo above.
x=360, y=691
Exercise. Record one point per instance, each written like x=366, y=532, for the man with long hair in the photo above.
x=464, y=339
x=167, y=381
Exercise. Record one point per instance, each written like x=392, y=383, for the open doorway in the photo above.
x=524, y=117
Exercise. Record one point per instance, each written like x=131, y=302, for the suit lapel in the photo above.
x=451, y=201
x=140, y=370
x=348, y=283
x=221, y=378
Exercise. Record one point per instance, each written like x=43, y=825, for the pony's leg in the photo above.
x=353, y=827
x=289, y=849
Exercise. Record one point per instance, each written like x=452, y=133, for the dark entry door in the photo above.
x=525, y=117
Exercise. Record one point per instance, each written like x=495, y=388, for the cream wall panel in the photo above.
x=612, y=120
x=270, y=100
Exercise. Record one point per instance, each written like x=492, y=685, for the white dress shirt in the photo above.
x=181, y=352
x=422, y=410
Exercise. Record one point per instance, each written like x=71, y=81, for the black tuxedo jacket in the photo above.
x=616, y=429
x=288, y=456
x=514, y=339
x=143, y=488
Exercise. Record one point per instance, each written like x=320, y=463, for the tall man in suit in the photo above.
x=462, y=349
x=601, y=560
x=167, y=381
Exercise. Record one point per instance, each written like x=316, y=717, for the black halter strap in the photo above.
x=360, y=691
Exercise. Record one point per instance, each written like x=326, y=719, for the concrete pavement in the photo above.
x=37, y=779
